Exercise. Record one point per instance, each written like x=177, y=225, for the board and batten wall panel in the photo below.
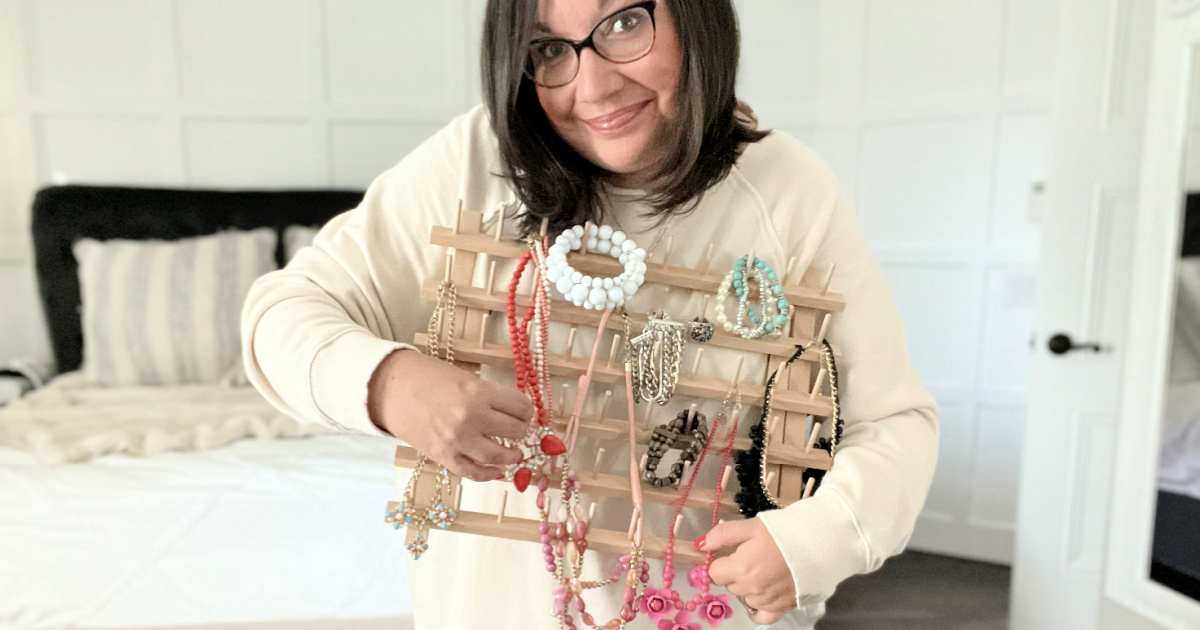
x=934, y=114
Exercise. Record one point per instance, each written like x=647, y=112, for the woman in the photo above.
x=622, y=113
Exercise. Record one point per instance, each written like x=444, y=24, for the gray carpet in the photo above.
x=920, y=591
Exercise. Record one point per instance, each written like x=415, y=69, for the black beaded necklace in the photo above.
x=753, y=496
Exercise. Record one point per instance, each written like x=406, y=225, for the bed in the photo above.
x=1175, y=555
x=284, y=531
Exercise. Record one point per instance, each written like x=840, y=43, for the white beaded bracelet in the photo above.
x=586, y=291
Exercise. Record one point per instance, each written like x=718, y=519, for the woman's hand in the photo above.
x=448, y=414
x=755, y=572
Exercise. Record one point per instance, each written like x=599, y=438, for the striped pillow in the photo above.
x=167, y=313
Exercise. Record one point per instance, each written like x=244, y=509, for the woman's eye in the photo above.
x=625, y=23
x=549, y=51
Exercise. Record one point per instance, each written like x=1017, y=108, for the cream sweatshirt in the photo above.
x=314, y=332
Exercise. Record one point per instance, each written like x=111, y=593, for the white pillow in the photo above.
x=167, y=312
x=295, y=238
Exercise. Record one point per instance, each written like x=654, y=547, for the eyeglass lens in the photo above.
x=621, y=38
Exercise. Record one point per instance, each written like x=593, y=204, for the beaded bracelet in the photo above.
x=774, y=310
x=687, y=432
x=586, y=291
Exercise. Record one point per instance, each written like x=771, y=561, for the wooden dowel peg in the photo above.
x=604, y=407
x=737, y=373
x=704, y=263
x=458, y=491
x=824, y=328
x=691, y=414
x=828, y=278
x=787, y=273
x=817, y=385
x=644, y=460
x=500, y=225
x=678, y=522
x=646, y=415
x=725, y=475
x=449, y=264
x=773, y=426
x=749, y=265
x=771, y=479
x=545, y=227
x=483, y=328
x=599, y=460
x=666, y=261
x=687, y=467
x=491, y=283
x=571, y=342
x=503, y=506
x=696, y=361
x=592, y=512
x=612, y=350
x=458, y=217
x=587, y=233
x=562, y=401
x=720, y=521
x=808, y=488
x=704, y=307
x=812, y=437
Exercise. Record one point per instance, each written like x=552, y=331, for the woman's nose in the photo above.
x=597, y=79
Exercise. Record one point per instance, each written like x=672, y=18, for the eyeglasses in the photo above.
x=622, y=37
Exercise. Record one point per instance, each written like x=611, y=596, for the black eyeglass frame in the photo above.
x=589, y=42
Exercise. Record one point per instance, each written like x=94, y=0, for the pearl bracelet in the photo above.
x=589, y=292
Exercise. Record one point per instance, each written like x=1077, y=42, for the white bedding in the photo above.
x=260, y=530
x=1179, y=462
x=72, y=421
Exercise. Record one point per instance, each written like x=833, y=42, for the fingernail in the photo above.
x=499, y=477
x=700, y=542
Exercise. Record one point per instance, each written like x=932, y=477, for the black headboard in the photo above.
x=64, y=214
x=1191, y=225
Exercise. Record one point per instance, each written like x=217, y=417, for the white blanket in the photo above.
x=1179, y=463
x=70, y=421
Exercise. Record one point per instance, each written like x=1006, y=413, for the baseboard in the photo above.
x=378, y=623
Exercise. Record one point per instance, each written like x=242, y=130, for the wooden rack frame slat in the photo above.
x=501, y=356
x=656, y=273
x=605, y=485
x=567, y=313
x=512, y=528
x=797, y=396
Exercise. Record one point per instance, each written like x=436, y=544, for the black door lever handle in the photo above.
x=1062, y=344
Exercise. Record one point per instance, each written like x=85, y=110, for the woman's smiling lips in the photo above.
x=616, y=120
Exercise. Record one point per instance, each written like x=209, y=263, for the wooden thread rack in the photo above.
x=798, y=395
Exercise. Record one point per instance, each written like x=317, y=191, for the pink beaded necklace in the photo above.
x=714, y=609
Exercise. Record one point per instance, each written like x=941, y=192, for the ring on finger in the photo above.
x=750, y=609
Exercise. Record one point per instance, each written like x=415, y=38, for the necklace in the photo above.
x=754, y=496
x=437, y=513
x=657, y=354
x=533, y=372
x=713, y=609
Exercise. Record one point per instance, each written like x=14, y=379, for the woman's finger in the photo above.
x=765, y=618
x=465, y=467
x=487, y=452
x=512, y=402
x=501, y=425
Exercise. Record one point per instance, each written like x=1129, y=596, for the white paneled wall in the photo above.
x=934, y=114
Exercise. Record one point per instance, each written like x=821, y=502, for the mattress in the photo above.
x=257, y=531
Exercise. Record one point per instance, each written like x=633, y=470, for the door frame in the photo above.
x=1156, y=252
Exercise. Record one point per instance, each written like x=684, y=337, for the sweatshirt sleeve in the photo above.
x=314, y=332
x=867, y=505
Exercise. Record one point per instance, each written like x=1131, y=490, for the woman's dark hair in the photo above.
x=556, y=182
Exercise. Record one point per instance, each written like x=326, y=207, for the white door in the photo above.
x=1083, y=291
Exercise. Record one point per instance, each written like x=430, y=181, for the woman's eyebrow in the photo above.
x=542, y=28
